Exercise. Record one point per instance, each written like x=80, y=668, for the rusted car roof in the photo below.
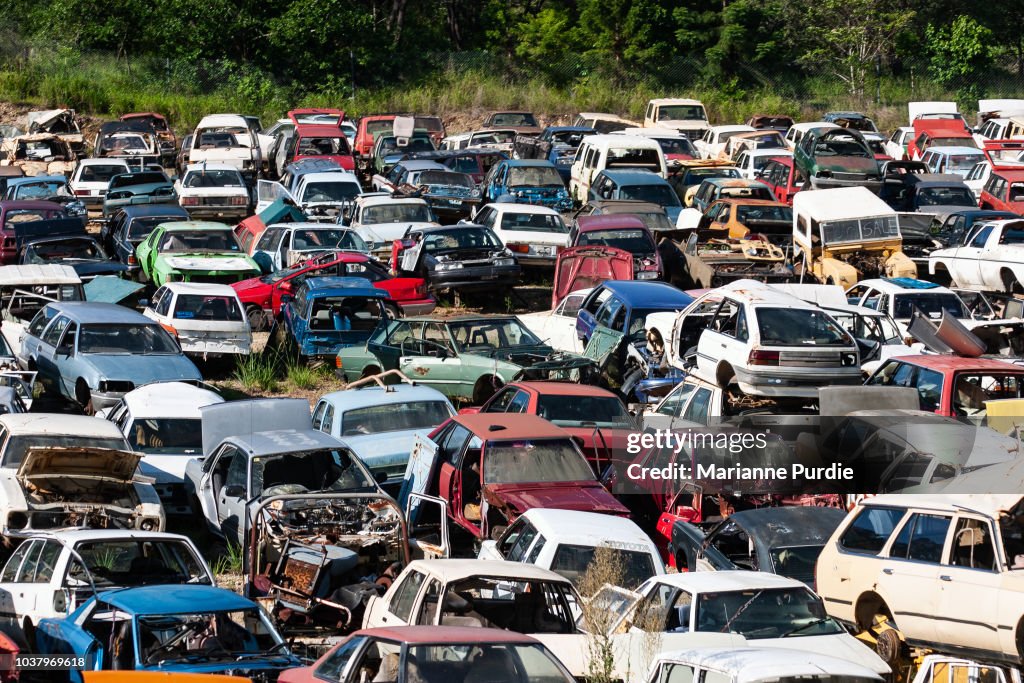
x=505, y=426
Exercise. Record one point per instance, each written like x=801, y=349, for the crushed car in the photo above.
x=327, y=314
x=836, y=157
x=134, y=141
x=38, y=154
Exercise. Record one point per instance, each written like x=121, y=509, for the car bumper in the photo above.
x=215, y=349
x=216, y=212
x=105, y=399
x=797, y=382
x=420, y=307
x=475, y=278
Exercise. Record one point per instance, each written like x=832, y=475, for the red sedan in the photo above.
x=596, y=418
x=261, y=296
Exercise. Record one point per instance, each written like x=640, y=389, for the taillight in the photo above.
x=190, y=201
x=518, y=248
x=132, y=261
x=81, y=193
x=239, y=201
x=763, y=358
x=174, y=332
x=337, y=362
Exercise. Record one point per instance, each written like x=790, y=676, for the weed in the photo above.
x=228, y=562
x=258, y=371
x=303, y=376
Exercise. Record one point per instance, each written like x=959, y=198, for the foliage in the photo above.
x=302, y=376
x=960, y=55
x=258, y=371
x=229, y=561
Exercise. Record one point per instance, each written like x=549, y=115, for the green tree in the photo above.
x=960, y=55
x=627, y=32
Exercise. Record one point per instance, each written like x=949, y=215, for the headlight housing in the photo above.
x=647, y=275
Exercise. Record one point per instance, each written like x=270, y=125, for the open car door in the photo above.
x=269, y=191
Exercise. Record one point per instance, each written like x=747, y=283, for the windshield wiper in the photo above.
x=803, y=627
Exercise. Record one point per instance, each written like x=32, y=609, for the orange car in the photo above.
x=737, y=218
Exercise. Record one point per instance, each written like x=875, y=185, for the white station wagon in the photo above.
x=207, y=319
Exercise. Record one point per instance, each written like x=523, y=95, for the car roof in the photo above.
x=49, y=423
x=378, y=200
x=328, y=176
x=103, y=161
x=522, y=163
x=901, y=285
x=729, y=127
x=955, y=149
x=1012, y=175
x=204, y=288
x=619, y=141
x=988, y=503
x=730, y=580
x=648, y=294
x=444, y=634
x=77, y=535
x=454, y=570
x=422, y=165
x=144, y=210
x=169, y=400
x=88, y=312
x=30, y=204
x=735, y=182
x=789, y=525
x=744, y=201
x=674, y=100
x=634, y=175
x=279, y=441
x=593, y=527
x=30, y=179
x=348, y=285
x=758, y=293
x=563, y=388
x=319, y=128
x=373, y=395
x=175, y=599
x=223, y=120
x=509, y=426
x=609, y=222
x=523, y=208
x=811, y=125
x=39, y=274
x=194, y=225
x=949, y=363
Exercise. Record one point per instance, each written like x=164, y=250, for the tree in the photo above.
x=960, y=55
x=627, y=32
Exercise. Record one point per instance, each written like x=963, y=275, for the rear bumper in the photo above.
x=795, y=382
x=475, y=278
x=217, y=212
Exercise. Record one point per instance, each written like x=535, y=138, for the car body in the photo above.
x=896, y=145
x=261, y=296
x=207, y=320
x=951, y=385
x=213, y=191
x=623, y=306
x=558, y=326
x=737, y=218
x=523, y=122
x=595, y=417
x=535, y=234
x=712, y=144
x=749, y=333
x=797, y=131
x=599, y=152
x=752, y=162
x=556, y=144
x=714, y=188
x=451, y=195
x=636, y=185
x=43, y=578
x=193, y=251
x=134, y=141
x=162, y=421
x=91, y=177
x=64, y=241
x=977, y=177
x=243, y=631
x=531, y=181
x=781, y=176
x=466, y=357
x=902, y=297
x=687, y=175
x=991, y=258
x=836, y=157
x=755, y=665
x=1004, y=191
x=323, y=196
x=624, y=232
x=405, y=172
x=753, y=141
x=138, y=187
x=956, y=160
x=475, y=650
x=381, y=422
x=602, y=122
x=316, y=139
x=38, y=154
x=652, y=215
x=387, y=150
x=953, y=227
x=167, y=141
x=934, y=193
x=676, y=145
x=129, y=226
x=369, y=126
x=966, y=547
x=284, y=245
x=461, y=257
x=48, y=188
x=329, y=313
x=474, y=162
x=938, y=133
x=229, y=139
x=382, y=220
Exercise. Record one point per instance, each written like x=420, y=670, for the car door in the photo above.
x=586, y=317
x=436, y=363
x=46, y=351
x=970, y=575
x=35, y=595
x=16, y=599
x=965, y=266
x=269, y=191
x=401, y=603
x=726, y=339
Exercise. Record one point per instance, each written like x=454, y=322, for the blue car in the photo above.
x=94, y=353
x=329, y=313
x=527, y=181
x=168, y=628
x=637, y=185
x=131, y=225
x=49, y=188
x=623, y=306
x=556, y=144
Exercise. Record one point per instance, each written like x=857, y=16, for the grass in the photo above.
x=258, y=372
x=228, y=562
x=303, y=376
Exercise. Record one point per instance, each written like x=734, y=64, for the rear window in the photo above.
x=870, y=530
x=799, y=327
x=646, y=158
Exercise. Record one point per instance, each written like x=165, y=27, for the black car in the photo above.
x=458, y=258
x=64, y=241
x=132, y=224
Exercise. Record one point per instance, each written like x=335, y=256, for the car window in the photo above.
x=727, y=318
x=318, y=415
x=236, y=469
x=518, y=550
x=929, y=388
x=511, y=535
x=535, y=552
x=520, y=403
x=870, y=529
x=52, y=335
x=270, y=240
x=501, y=400
x=972, y=545
x=334, y=664
x=673, y=403
x=697, y=410
x=39, y=322
x=328, y=419
x=405, y=596
x=28, y=567
x=921, y=539
x=14, y=562
x=451, y=447
x=47, y=561
x=675, y=673
x=909, y=471
x=164, y=307
x=981, y=237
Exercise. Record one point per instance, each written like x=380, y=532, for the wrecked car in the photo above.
x=621, y=232
x=136, y=142
x=229, y=139
x=64, y=241
x=92, y=176
x=38, y=154
x=756, y=665
x=327, y=314
x=837, y=157
x=144, y=187
x=193, y=251
x=382, y=220
x=456, y=258
x=63, y=123
x=46, y=188
x=991, y=259
x=213, y=192
x=556, y=144
x=452, y=196
x=529, y=182
x=207, y=320
x=129, y=226
x=168, y=143
x=535, y=234
x=286, y=245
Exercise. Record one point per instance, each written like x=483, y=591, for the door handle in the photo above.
x=945, y=577
x=723, y=346
x=887, y=570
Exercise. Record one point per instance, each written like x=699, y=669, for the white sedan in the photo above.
x=557, y=327
x=207, y=319
x=213, y=192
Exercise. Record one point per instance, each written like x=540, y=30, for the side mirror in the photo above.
x=234, y=491
x=143, y=303
x=380, y=477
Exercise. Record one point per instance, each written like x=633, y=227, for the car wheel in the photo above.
x=393, y=311
x=257, y=318
x=486, y=387
x=83, y=395
x=29, y=631
x=889, y=646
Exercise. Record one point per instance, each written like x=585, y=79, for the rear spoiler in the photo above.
x=34, y=231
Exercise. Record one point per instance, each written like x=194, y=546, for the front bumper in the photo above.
x=105, y=399
x=214, y=348
x=489, y=277
x=794, y=382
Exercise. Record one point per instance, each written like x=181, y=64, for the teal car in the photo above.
x=466, y=358
x=193, y=251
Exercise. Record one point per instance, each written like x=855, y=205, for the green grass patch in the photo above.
x=258, y=372
x=303, y=376
x=228, y=562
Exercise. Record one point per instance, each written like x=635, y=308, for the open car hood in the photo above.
x=584, y=267
x=101, y=463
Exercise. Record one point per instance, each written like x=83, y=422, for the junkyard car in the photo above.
x=990, y=259
x=903, y=567
x=526, y=181
x=284, y=245
x=738, y=218
x=193, y=251
x=755, y=665
x=558, y=326
x=322, y=189
x=687, y=116
x=652, y=215
x=92, y=176
x=637, y=185
x=466, y=358
x=47, y=188
x=129, y=226
x=38, y=154
x=94, y=353
x=134, y=141
x=535, y=234
x=330, y=313
x=711, y=189
x=162, y=421
x=198, y=629
x=836, y=157
x=229, y=139
x=556, y=144
x=388, y=148
x=53, y=573
x=64, y=241
x=451, y=196
x=382, y=220
x=207, y=319
x=622, y=232
x=213, y=191
x=457, y=258
x=524, y=122
x=405, y=172
x=167, y=141
x=623, y=306
x=142, y=187
x=712, y=143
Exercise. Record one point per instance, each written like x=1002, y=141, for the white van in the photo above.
x=797, y=130
x=599, y=152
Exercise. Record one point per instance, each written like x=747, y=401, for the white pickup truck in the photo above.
x=991, y=258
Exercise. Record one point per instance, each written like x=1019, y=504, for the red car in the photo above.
x=261, y=296
x=953, y=386
x=621, y=231
x=491, y=468
x=368, y=127
x=595, y=417
x=938, y=133
x=319, y=140
x=414, y=654
x=1004, y=191
x=18, y=211
x=781, y=175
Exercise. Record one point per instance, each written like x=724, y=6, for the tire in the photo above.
x=486, y=387
x=29, y=630
x=889, y=647
x=394, y=311
x=83, y=394
x=257, y=318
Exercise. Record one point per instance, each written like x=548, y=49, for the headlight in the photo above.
x=448, y=266
x=647, y=275
x=505, y=262
x=474, y=193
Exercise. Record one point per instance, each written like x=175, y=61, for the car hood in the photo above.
x=943, y=210
x=142, y=369
x=251, y=286
x=579, y=495
x=589, y=266
x=841, y=645
x=85, y=268
x=370, y=447
x=235, y=262
x=847, y=164
x=389, y=232
x=104, y=463
x=520, y=355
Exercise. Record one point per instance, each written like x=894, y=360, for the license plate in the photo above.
x=455, y=202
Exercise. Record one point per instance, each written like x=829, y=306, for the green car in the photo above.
x=466, y=358
x=193, y=251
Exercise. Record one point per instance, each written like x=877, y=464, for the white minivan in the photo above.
x=598, y=152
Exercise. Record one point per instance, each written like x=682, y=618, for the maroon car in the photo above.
x=12, y=212
x=491, y=468
x=621, y=231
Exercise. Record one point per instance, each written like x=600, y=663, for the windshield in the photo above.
x=205, y=307
x=279, y=275
x=799, y=327
x=636, y=242
x=123, y=143
x=877, y=328
x=142, y=178
x=534, y=176
x=952, y=142
x=572, y=562
x=681, y=112
x=177, y=436
x=397, y=213
x=535, y=460
x=215, y=178
x=374, y=127
x=765, y=613
x=963, y=162
x=82, y=248
x=323, y=146
x=513, y=119
x=140, y=228
x=17, y=446
x=42, y=190
x=795, y=563
x=533, y=222
x=394, y=417
x=931, y=304
x=322, y=470
x=485, y=661
x=764, y=212
x=695, y=175
x=587, y=411
x=330, y=192
x=100, y=173
x=126, y=338
x=29, y=215
x=856, y=230
x=496, y=334
x=676, y=146
x=460, y=238
x=446, y=179
x=124, y=562
x=183, y=241
x=351, y=241
x=655, y=221
x=945, y=196
x=204, y=636
x=389, y=145
x=639, y=157
x=663, y=195
x=840, y=146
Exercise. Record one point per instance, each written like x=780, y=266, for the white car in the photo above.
x=767, y=342
x=323, y=195
x=80, y=470
x=754, y=665
x=557, y=327
x=230, y=139
x=535, y=234
x=45, y=577
x=751, y=161
x=769, y=610
x=712, y=143
x=565, y=542
x=896, y=145
x=990, y=259
x=403, y=173
x=900, y=297
x=977, y=177
x=213, y=192
x=282, y=245
x=797, y=131
x=207, y=319
x=382, y=220
x=91, y=177
x=163, y=422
